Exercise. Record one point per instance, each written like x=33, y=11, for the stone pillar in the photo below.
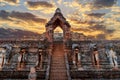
x=22, y=59
x=51, y=34
x=66, y=33
x=1, y=60
x=50, y=51
x=21, y=64
x=95, y=59
x=76, y=58
x=40, y=59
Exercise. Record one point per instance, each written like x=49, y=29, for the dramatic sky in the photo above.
x=98, y=18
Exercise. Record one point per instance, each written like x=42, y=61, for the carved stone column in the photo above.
x=40, y=59
x=22, y=59
x=76, y=59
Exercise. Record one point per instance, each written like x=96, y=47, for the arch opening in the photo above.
x=58, y=34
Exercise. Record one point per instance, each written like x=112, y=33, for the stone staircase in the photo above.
x=58, y=67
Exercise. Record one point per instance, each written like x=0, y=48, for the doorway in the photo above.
x=58, y=34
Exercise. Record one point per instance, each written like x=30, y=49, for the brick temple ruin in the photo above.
x=64, y=59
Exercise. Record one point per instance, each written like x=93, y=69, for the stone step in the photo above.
x=57, y=65
x=59, y=78
x=58, y=59
x=55, y=57
x=58, y=62
x=58, y=69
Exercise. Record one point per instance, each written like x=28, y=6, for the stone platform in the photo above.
x=21, y=75
x=95, y=74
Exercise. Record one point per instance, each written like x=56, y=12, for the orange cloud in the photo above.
x=24, y=21
x=11, y=2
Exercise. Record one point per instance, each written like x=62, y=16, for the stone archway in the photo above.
x=55, y=21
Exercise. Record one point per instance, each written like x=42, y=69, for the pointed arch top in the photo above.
x=58, y=20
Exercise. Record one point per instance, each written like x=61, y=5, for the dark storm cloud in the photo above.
x=104, y=3
x=77, y=21
x=98, y=27
x=26, y=16
x=20, y=15
x=109, y=31
x=103, y=28
x=98, y=15
x=4, y=14
x=13, y=1
x=81, y=29
x=39, y=4
x=85, y=22
x=100, y=36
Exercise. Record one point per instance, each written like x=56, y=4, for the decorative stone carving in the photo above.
x=2, y=57
x=95, y=57
x=22, y=59
x=40, y=58
x=76, y=58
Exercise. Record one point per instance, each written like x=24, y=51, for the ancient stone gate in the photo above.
x=57, y=20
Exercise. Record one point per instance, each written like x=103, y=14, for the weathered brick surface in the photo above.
x=58, y=68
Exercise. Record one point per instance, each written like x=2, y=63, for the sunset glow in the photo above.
x=84, y=16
